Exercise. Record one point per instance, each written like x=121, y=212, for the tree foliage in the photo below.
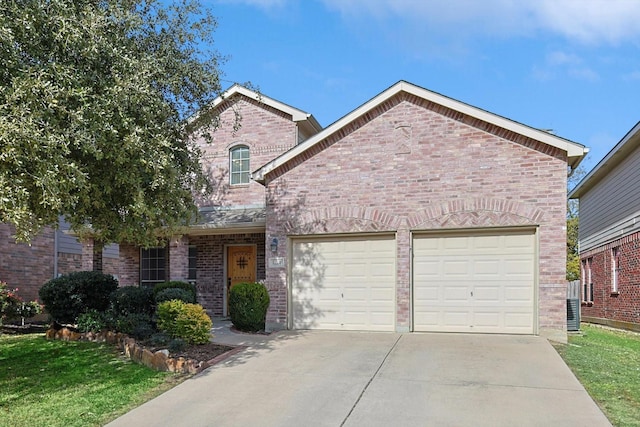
x=573, y=254
x=94, y=100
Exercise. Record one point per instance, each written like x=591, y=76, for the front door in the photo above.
x=241, y=267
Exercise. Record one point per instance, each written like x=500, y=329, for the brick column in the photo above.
x=179, y=258
x=87, y=255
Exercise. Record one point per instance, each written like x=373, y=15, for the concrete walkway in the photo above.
x=376, y=379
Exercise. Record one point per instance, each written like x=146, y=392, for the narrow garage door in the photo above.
x=345, y=283
x=480, y=282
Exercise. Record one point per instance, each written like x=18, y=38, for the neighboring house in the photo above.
x=609, y=236
x=49, y=254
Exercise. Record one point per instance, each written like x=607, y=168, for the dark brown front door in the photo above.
x=241, y=266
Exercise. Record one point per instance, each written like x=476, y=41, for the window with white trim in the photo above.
x=587, y=284
x=239, y=171
x=153, y=265
x=615, y=269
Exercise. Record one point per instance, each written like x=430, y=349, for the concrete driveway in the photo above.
x=378, y=379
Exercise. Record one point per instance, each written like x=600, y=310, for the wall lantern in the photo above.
x=274, y=245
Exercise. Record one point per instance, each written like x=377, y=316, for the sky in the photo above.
x=571, y=66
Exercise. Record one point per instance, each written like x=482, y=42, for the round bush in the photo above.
x=175, y=293
x=70, y=295
x=132, y=299
x=138, y=325
x=92, y=321
x=248, y=304
x=186, y=321
x=176, y=284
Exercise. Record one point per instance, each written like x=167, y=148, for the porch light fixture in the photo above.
x=274, y=245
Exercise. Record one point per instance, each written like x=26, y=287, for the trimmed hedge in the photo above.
x=68, y=296
x=175, y=284
x=186, y=321
x=132, y=300
x=248, y=304
x=175, y=293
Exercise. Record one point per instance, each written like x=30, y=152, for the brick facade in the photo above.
x=623, y=305
x=266, y=131
x=23, y=266
x=411, y=165
x=211, y=280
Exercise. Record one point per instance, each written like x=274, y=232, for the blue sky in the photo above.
x=568, y=65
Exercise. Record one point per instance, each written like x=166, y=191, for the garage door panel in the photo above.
x=359, y=276
x=474, y=283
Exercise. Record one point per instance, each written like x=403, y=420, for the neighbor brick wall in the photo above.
x=23, y=266
x=266, y=131
x=625, y=304
x=411, y=165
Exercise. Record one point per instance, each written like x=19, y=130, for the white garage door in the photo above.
x=344, y=283
x=474, y=283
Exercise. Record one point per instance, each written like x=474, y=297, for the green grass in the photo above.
x=607, y=363
x=56, y=383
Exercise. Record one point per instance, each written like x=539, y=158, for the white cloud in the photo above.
x=586, y=21
x=563, y=63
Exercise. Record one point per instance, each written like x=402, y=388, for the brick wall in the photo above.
x=23, y=266
x=412, y=165
x=266, y=131
x=211, y=280
x=624, y=305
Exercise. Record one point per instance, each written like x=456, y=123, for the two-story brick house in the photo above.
x=414, y=212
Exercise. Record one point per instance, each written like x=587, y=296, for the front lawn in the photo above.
x=607, y=363
x=57, y=383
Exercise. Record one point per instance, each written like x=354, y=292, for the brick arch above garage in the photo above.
x=337, y=219
x=477, y=212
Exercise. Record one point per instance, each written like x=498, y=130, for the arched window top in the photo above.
x=239, y=169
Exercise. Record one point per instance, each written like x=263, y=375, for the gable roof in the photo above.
x=575, y=152
x=306, y=120
x=629, y=143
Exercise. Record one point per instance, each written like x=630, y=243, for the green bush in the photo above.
x=178, y=285
x=175, y=293
x=186, y=321
x=92, y=321
x=131, y=300
x=68, y=296
x=248, y=304
x=138, y=325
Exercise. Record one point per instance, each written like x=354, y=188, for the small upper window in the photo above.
x=239, y=165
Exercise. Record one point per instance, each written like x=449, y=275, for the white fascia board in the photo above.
x=573, y=149
x=618, y=153
x=296, y=114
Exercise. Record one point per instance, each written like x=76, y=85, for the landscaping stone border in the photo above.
x=159, y=360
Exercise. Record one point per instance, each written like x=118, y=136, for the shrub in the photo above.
x=248, y=304
x=68, y=296
x=10, y=303
x=175, y=293
x=176, y=284
x=92, y=321
x=187, y=321
x=132, y=299
x=138, y=325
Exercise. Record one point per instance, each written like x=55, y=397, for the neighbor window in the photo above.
x=615, y=268
x=239, y=165
x=587, y=285
x=193, y=258
x=153, y=264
